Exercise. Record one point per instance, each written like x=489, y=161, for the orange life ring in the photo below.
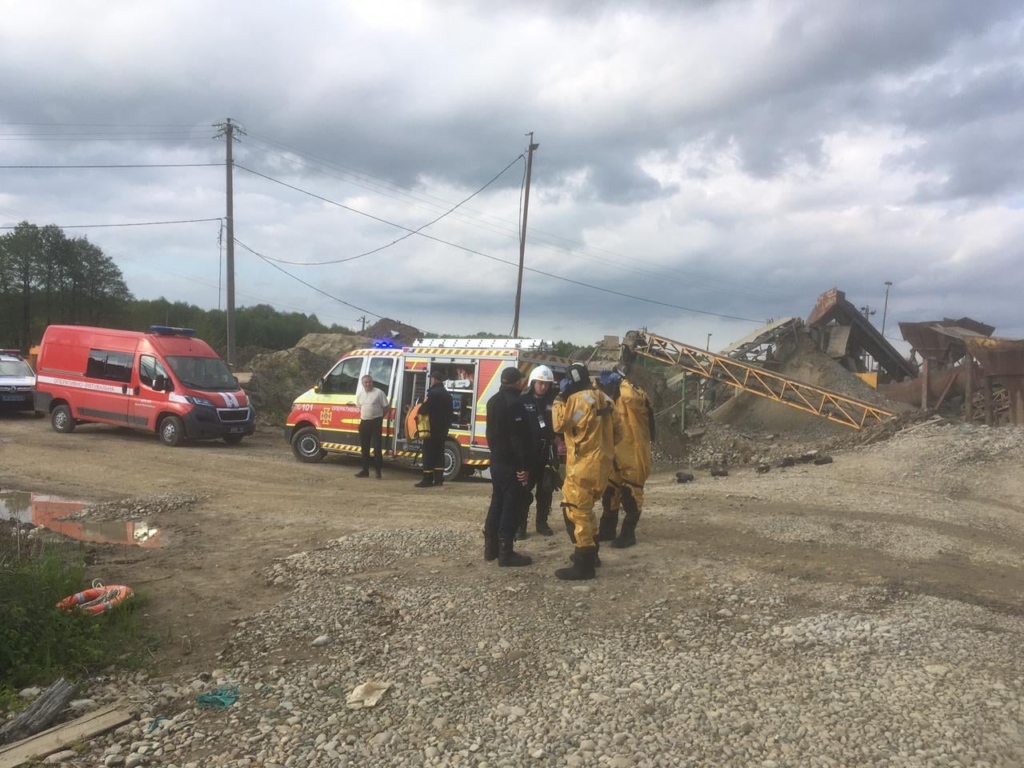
x=97, y=600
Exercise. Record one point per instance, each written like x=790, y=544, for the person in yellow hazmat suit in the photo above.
x=585, y=417
x=632, y=459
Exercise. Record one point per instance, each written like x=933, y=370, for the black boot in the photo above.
x=490, y=546
x=542, y=523
x=583, y=564
x=597, y=555
x=363, y=473
x=627, y=537
x=378, y=474
x=508, y=557
x=438, y=478
x=521, y=530
x=609, y=522
x=427, y=481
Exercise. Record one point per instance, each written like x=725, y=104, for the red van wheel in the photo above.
x=62, y=420
x=172, y=431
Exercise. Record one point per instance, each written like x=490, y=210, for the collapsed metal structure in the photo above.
x=757, y=380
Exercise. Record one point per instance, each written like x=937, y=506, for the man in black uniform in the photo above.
x=537, y=400
x=438, y=408
x=508, y=437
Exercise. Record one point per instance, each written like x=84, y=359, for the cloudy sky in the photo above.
x=735, y=158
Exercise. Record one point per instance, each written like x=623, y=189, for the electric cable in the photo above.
x=300, y=280
x=690, y=279
x=403, y=237
x=123, y=224
x=121, y=165
x=486, y=256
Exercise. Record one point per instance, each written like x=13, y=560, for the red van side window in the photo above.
x=112, y=366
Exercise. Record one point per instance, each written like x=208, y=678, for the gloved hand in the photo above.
x=523, y=476
x=563, y=385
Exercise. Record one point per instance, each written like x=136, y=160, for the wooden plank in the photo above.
x=62, y=736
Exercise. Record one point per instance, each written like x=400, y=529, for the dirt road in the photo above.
x=864, y=520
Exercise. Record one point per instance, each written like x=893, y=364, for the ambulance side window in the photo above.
x=344, y=379
x=380, y=372
x=112, y=366
x=149, y=369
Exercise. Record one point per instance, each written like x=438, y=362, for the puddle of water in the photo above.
x=44, y=511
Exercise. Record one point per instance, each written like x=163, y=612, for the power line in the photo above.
x=124, y=224
x=120, y=165
x=478, y=253
x=105, y=125
x=374, y=184
x=403, y=237
x=300, y=280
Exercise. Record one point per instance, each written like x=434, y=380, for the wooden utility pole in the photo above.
x=227, y=130
x=362, y=323
x=522, y=234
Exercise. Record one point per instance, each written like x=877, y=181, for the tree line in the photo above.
x=49, y=278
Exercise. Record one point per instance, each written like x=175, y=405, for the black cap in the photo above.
x=511, y=376
x=437, y=375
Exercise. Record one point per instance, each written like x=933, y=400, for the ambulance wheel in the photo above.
x=233, y=439
x=306, y=445
x=172, y=431
x=62, y=420
x=452, y=460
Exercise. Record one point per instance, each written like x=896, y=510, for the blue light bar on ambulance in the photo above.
x=168, y=330
x=384, y=344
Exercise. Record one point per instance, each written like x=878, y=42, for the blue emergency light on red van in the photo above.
x=165, y=381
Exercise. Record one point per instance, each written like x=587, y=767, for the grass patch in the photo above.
x=39, y=643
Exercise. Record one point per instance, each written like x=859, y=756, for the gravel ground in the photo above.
x=670, y=658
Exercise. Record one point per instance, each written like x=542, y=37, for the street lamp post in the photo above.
x=885, y=309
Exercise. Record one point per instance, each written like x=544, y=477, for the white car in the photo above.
x=17, y=382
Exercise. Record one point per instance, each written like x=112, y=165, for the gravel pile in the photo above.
x=138, y=507
x=487, y=667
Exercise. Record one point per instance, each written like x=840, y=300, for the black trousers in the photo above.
x=507, y=499
x=370, y=436
x=541, y=489
x=433, y=453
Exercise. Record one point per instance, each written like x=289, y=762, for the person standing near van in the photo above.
x=373, y=404
x=511, y=444
x=437, y=407
x=537, y=401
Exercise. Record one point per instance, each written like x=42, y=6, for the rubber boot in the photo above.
x=627, y=537
x=490, y=547
x=597, y=555
x=438, y=478
x=427, y=481
x=363, y=473
x=378, y=474
x=542, y=523
x=582, y=567
x=609, y=522
x=508, y=557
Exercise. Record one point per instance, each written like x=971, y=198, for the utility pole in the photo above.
x=362, y=323
x=885, y=309
x=228, y=129
x=707, y=347
x=522, y=236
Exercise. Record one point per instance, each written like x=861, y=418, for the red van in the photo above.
x=166, y=381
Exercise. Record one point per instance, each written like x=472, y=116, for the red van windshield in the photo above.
x=207, y=373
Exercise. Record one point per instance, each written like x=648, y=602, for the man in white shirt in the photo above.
x=372, y=404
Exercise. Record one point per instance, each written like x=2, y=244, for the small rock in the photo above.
x=725, y=613
x=808, y=457
x=321, y=641
x=29, y=693
x=134, y=760
x=763, y=468
x=937, y=670
x=820, y=460
x=684, y=477
x=114, y=760
x=61, y=757
x=787, y=461
x=82, y=705
x=719, y=472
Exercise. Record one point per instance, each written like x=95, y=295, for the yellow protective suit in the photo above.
x=633, y=452
x=590, y=426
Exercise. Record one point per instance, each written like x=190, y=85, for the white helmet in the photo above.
x=541, y=373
